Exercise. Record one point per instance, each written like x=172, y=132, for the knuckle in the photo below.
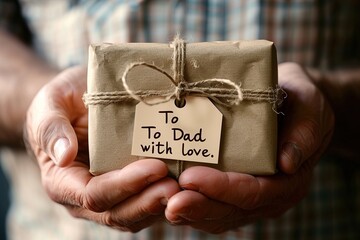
x=252, y=197
x=92, y=202
x=48, y=185
x=45, y=132
x=152, y=207
x=74, y=211
x=108, y=220
x=66, y=198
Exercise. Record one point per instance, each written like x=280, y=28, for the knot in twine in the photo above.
x=222, y=91
x=180, y=89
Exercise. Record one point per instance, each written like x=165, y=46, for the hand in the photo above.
x=215, y=201
x=129, y=199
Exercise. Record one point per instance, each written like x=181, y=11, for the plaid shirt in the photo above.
x=322, y=34
x=310, y=32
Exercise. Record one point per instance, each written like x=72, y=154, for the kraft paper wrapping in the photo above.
x=249, y=130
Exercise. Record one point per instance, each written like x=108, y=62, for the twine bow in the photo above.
x=223, y=96
x=182, y=88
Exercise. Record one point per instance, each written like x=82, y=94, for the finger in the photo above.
x=55, y=115
x=243, y=190
x=198, y=211
x=152, y=201
x=195, y=209
x=308, y=120
x=194, y=206
x=137, y=212
x=103, y=191
x=76, y=186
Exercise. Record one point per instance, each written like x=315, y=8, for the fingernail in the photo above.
x=60, y=148
x=293, y=153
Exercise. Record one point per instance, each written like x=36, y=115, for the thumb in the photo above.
x=51, y=137
x=59, y=141
x=51, y=116
x=308, y=124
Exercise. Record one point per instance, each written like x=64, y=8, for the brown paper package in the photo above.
x=249, y=130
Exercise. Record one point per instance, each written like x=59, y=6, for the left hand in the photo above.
x=129, y=199
x=215, y=201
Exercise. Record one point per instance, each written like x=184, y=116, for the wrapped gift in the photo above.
x=238, y=77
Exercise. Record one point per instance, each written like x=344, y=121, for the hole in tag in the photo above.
x=180, y=103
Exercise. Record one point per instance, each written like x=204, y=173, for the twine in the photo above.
x=222, y=96
x=222, y=91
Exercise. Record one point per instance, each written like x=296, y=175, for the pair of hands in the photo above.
x=140, y=194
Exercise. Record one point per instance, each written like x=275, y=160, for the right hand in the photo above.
x=56, y=131
x=215, y=201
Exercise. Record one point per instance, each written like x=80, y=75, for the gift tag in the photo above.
x=190, y=132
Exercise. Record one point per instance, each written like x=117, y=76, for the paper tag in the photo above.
x=190, y=133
